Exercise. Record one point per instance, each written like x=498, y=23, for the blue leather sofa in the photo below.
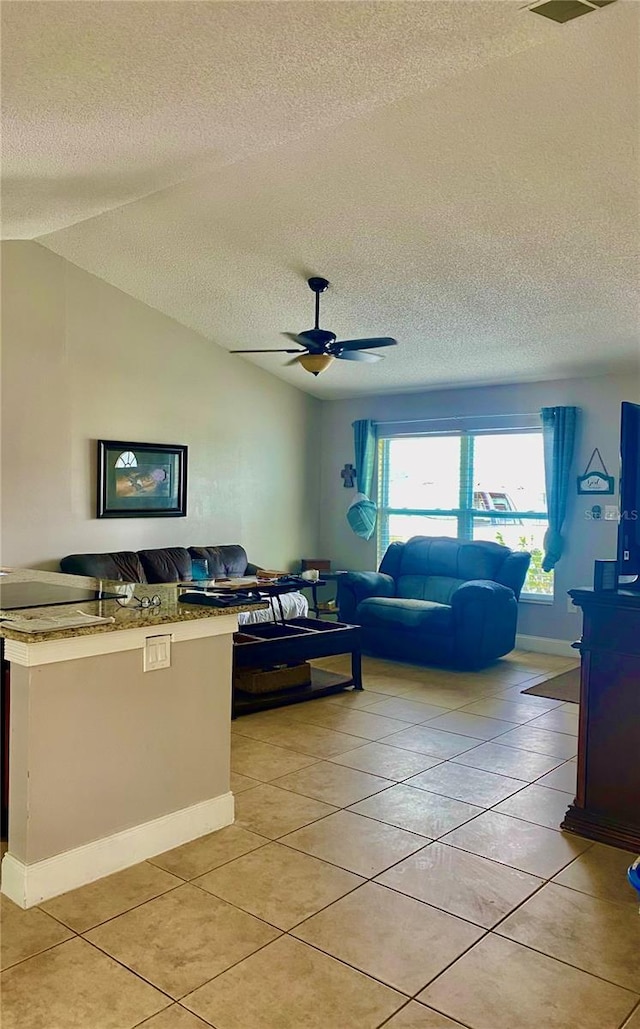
x=436, y=600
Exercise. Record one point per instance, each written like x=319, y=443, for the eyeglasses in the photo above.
x=145, y=602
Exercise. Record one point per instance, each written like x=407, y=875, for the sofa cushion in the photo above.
x=439, y=588
x=229, y=559
x=423, y=616
x=166, y=564
x=439, y=555
x=120, y=565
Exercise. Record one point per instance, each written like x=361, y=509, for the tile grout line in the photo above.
x=567, y=964
x=45, y=950
x=387, y=1021
x=178, y=1000
x=634, y=1011
x=287, y=932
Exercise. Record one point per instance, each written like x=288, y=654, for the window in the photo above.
x=470, y=485
x=127, y=460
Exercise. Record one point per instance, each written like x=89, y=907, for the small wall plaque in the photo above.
x=594, y=481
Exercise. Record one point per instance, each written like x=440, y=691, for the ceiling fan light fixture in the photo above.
x=315, y=363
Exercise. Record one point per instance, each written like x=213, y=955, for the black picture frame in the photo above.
x=141, y=480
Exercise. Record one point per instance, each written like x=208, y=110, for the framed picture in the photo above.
x=141, y=480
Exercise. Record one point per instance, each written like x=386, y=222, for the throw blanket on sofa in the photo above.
x=294, y=605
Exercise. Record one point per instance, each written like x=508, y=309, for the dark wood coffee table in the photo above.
x=266, y=646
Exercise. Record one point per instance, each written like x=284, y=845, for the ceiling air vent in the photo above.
x=567, y=10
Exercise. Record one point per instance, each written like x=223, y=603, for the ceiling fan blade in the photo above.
x=297, y=338
x=280, y=351
x=364, y=344
x=317, y=341
x=358, y=355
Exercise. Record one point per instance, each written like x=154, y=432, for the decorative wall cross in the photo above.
x=348, y=473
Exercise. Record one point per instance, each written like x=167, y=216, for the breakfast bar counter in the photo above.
x=118, y=732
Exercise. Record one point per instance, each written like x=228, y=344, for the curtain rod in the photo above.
x=457, y=418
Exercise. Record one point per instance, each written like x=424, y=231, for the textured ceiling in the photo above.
x=464, y=172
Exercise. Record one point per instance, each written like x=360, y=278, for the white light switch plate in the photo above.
x=157, y=653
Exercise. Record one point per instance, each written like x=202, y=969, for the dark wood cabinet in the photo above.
x=607, y=803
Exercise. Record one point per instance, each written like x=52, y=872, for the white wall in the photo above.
x=83, y=361
x=599, y=400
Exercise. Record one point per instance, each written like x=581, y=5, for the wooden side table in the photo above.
x=327, y=607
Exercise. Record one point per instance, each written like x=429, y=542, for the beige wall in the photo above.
x=83, y=361
x=98, y=746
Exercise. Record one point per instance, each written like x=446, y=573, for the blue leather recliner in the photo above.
x=437, y=600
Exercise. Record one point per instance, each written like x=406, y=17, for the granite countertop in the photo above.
x=125, y=617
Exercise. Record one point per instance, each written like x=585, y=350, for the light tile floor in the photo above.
x=396, y=861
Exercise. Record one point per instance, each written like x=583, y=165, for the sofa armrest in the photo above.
x=485, y=616
x=485, y=591
x=354, y=587
x=514, y=571
x=119, y=566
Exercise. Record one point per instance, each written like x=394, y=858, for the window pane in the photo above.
x=424, y=472
x=509, y=476
x=508, y=472
x=402, y=527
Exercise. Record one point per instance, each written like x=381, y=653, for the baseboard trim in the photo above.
x=547, y=645
x=27, y=885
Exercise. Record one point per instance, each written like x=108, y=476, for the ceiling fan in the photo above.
x=321, y=347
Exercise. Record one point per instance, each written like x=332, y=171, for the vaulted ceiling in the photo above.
x=465, y=173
